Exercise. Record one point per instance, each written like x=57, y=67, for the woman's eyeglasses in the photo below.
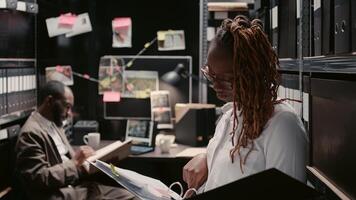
x=208, y=74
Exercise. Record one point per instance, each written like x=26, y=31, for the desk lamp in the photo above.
x=173, y=77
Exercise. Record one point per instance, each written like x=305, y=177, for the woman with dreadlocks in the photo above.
x=257, y=131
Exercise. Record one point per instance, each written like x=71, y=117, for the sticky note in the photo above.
x=161, y=35
x=111, y=97
x=122, y=22
x=3, y=134
x=82, y=25
x=2, y=3
x=67, y=19
x=21, y=6
x=59, y=69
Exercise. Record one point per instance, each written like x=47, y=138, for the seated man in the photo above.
x=46, y=163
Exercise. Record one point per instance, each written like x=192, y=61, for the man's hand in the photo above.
x=82, y=154
x=195, y=172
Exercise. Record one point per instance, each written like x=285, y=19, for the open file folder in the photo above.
x=269, y=184
x=144, y=187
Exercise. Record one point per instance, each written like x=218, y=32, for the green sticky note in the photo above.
x=113, y=170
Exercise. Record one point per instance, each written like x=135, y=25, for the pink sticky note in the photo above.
x=122, y=22
x=67, y=19
x=86, y=76
x=111, y=97
x=59, y=69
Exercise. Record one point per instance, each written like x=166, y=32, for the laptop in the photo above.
x=141, y=132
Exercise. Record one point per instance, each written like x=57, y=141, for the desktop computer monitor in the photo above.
x=135, y=108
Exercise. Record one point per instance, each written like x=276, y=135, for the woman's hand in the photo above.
x=195, y=172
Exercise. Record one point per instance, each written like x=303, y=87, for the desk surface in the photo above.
x=175, y=149
x=165, y=167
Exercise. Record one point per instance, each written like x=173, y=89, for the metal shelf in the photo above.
x=17, y=62
x=322, y=64
x=15, y=116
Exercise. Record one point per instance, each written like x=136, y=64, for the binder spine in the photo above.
x=317, y=27
x=342, y=26
x=327, y=26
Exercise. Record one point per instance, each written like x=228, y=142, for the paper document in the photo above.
x=191, y=152
x=144, y=187
x=115, y=151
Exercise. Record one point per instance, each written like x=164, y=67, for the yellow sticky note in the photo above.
x=161, y=35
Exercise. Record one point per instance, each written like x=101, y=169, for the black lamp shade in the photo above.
x=171, y=78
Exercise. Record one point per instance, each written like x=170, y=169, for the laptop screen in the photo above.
x=140, y=131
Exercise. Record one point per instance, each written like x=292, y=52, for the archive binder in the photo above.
x=2, y=92
x=317, y=27
x=287, y=29
x=342, y=26
x=327, y=26
x=353, y=25
x=274, y=24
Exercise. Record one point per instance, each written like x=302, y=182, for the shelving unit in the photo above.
x=18, y=88
x=318, y=83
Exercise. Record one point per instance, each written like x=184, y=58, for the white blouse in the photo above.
x=283, y=144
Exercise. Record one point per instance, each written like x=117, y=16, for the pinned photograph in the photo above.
x=160, y=99
x=122, y=32
x=68, y=24
x=110, y=74
x=163, y=117
x=60, y=73
x=171, y=40
x=82, y=25
x=55, y=29
x=161, y=109
x=139, y=84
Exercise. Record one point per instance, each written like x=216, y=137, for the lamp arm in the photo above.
x=196, y=78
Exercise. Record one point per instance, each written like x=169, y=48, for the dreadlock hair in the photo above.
x=255, y=81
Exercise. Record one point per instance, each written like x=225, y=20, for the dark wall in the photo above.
x=17, y=34
x=83, y=52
